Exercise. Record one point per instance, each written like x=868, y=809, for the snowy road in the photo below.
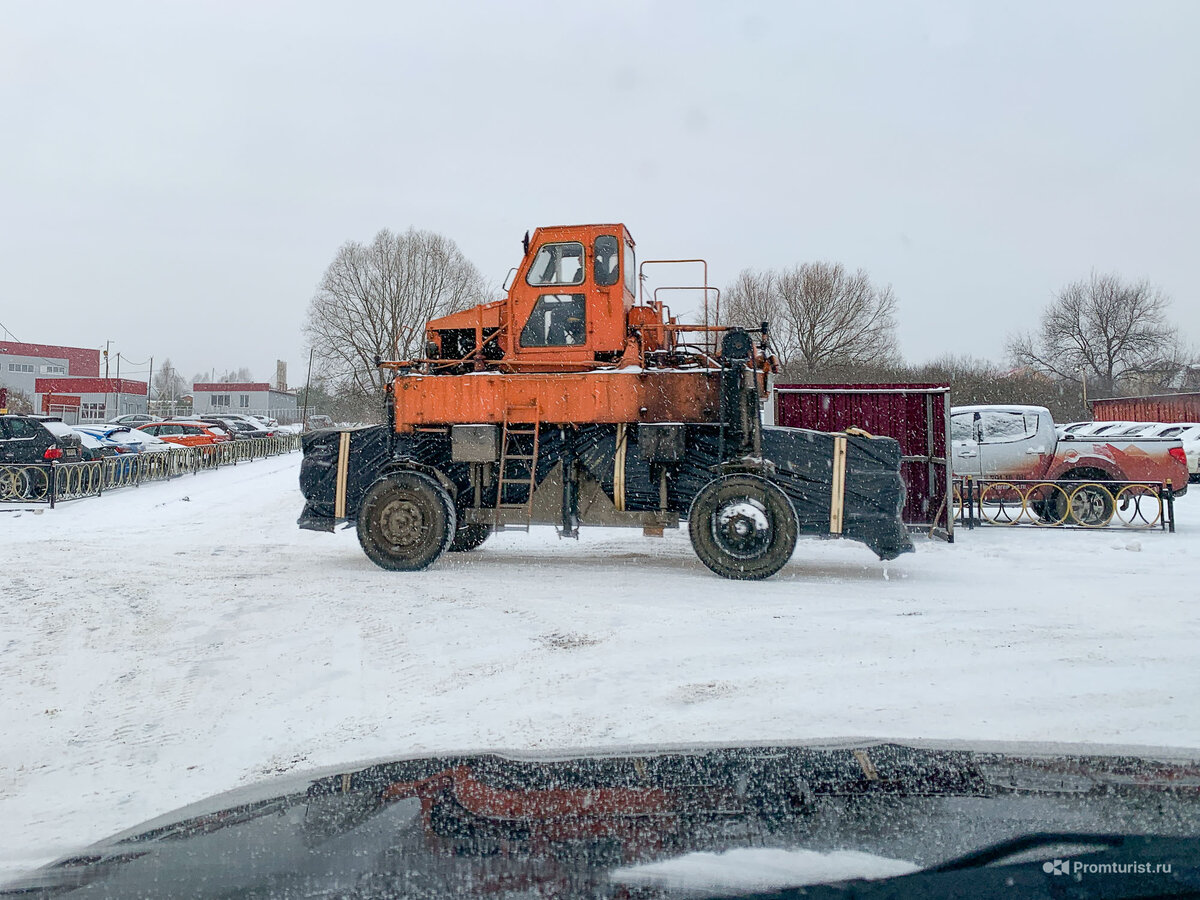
x=165, y=643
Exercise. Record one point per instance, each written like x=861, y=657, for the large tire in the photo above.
x=406, y=521
x=468, y=537
x=1092, y=505
x=742, y=526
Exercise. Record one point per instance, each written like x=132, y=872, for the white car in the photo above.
x=140, y=441
x=1188, y=434
x=1100, y=429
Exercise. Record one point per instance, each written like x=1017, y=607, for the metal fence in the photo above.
x=54, y=482
x=1065, y=504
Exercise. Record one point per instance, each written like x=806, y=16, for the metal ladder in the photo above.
x=526, y=465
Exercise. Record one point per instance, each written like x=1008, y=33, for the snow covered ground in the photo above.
x=168, y=642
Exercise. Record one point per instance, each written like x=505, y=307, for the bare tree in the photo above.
x=19, y=402
x=375, y=299
x=1113, y=332
x=820, y=314
x=166, y=383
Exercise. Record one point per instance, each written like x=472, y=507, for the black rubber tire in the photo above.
x=406, y=522
x=737, y=545
x=469, y=537
x=1093, y=505
x=1052, y=510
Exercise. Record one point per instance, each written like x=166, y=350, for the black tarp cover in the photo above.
x=802, y=463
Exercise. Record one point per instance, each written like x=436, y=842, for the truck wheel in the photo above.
x=405, y=522
x=742, y=526
x=1092, y=505
x=468, y=537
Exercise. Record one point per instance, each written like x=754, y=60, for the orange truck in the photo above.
x=573, y=401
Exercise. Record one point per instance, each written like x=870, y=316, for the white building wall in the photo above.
x=20, y=372
x=247, y=402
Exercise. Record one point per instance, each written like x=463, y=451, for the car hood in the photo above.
x=603, y=823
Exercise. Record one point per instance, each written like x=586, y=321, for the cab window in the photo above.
x=1003, y=427
x=606, y=260
x=557, y=320
x=961, y=427
x=557, y=264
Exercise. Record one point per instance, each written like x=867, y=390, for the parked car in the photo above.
x=37, y=439
x=134, y=419
x=130, y=440
x=96, y=447
x=251, y=423
x=315, y=422
x=241, y=427
x=267, y=421
x=1188, y=434
x=1020, y=443
x=1094, y=429
x=188, y=434
x=89, y=447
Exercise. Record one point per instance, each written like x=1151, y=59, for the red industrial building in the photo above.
x=65, y=381
x=1153, y=408
x=89, y=399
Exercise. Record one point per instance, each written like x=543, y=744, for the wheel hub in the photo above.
x=402, y=522
x=742, y=528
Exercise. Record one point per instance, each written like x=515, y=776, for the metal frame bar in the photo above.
x=973, y=488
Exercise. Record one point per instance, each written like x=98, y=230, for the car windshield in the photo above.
x=741, y=436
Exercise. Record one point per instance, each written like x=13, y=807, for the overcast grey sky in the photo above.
x=175, y=177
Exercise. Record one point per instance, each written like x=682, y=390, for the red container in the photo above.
x=916, y=415
x=1156, y=408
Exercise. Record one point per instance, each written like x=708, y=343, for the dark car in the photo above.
x=238, y=430
x=248, y=425
x=30, y=439
x=133, y=420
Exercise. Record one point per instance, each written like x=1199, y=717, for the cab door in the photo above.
x=964, y=444
x=556, y=327
x=1009, y=446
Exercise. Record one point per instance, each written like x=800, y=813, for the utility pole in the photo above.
x=307, y=386
x=1083, y=375
x=106, y=346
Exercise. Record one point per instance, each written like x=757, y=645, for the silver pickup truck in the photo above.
x=1020, y=443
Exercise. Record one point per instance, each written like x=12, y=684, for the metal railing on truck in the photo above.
x=53, y=482
x=1064, y=504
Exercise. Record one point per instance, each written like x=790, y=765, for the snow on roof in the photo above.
x=1001, y=407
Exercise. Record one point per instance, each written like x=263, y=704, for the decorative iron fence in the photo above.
x=53, y=482
x=1065, y=504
